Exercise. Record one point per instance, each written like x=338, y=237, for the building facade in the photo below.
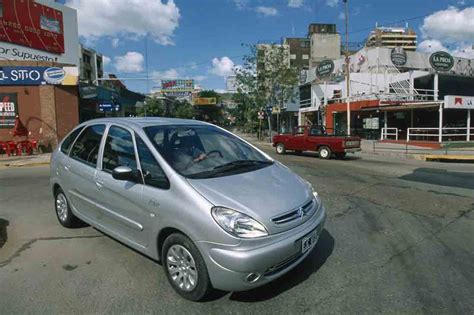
x=300, y=52
x=91, y=65
x=391, y=37
x=325, y=43
x=394, y=94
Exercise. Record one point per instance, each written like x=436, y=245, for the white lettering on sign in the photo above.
x=20, y=75
x=7, y=107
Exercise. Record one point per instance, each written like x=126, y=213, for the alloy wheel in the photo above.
x=61, y=207
x=182, y=267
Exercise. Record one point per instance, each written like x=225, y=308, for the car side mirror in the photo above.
x=126, y=173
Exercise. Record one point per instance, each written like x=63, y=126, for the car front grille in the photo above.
x=297, y=213
x=282, y=265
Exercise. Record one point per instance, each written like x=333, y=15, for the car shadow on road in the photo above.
x=299, y=274
x=441, y=177
x=3, y=232
x=348, y=157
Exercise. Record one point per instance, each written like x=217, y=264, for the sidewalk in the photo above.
x=22, y=161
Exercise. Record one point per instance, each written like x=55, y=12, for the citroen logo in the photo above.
x=300, y=213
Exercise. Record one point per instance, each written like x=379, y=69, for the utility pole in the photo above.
x=348, y=75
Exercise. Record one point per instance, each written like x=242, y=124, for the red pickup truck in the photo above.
x=315, y=138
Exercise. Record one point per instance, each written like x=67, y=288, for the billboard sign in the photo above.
x=205, y=101
x=31, y=24
x=398, y=56
x=441, y=61
x=39, y=75
x=459, y=102
x=177, y=85
x=325, y=69
x=8, y=109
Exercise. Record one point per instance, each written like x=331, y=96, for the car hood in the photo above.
x=261, y=194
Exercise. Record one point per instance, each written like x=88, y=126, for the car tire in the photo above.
x=324, y=152
x=280, y=148
x=63, y=211
x=340, y=156
x=185, y=268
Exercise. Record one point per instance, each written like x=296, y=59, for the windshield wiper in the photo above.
x=229, y=167
x=241, y=163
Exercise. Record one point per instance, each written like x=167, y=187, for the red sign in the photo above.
x=30, y=24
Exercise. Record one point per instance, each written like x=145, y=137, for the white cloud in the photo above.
x=115, y=42
x=431, y=46
x=171, y=73
x=451, y=25
x=200, y=78
x=131, y=62
x=332, y=3
x=222, y=67
x=295, y=3
x=266, y=11
x=464, y=51
x=241, y=4
x=132, y=19
x=106, y=60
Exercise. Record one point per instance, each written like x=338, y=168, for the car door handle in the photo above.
x=67, y=167
x=99, y=184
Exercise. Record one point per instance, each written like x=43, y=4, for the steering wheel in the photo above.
x=219, y=153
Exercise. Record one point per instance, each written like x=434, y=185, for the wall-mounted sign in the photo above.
x=325, y=68
x=38, y=75
x=31, y=24
x=371, y=123
x=108, y=107
x=441, y=61
x=398, y=56
x=8, y=109
x=177, y=85
x=205, y=101
x=459, y=102
x=303, y=76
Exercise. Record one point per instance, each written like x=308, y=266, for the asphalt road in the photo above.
x=399, y=239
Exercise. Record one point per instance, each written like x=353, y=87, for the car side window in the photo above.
x=118, y=150
x=86, y=147
x=153, y=174
x=316, y=132
x=299, y=131
x=67, y=142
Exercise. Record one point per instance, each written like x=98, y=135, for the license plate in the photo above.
x=309, y=241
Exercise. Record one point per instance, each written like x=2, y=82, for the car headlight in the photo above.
x=237, y=223
x=317, y=199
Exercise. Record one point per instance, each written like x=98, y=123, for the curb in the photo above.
x=449, y=158
x=6, y=165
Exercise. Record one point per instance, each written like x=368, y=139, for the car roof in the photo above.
x=142, y=122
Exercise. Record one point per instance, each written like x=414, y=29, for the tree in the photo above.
x=265, y=78
x=212, y=113
x=153, y=107
x=183, y=109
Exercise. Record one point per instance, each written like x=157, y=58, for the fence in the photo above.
x=389, y=132
x=452, y=133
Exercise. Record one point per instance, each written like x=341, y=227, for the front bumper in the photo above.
x=352, y=150
x=229, y=266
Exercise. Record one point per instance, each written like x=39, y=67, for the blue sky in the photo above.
x=202, y=39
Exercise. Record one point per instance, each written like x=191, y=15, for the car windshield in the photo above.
x=204, y=151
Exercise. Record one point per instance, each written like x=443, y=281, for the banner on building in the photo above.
x=459, y=102
x=205, y=101
x=39, y=75
x=8, y=109
x=31, y=24
x=178, y=85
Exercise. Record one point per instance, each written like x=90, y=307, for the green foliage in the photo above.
x=265, y=78
x=153, y=108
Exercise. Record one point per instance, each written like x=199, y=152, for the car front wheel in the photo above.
x=185, y=268
x=280, y=148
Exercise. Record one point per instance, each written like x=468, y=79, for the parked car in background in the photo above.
x=315, y=138
x=216, y=211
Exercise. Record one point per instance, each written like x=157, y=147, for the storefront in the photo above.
x=43, y=95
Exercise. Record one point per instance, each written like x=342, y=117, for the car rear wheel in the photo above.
x=63, y=212
x=185, y=268
x=280, y=148
x=324, y=153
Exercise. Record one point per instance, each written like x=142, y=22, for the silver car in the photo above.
x=213, y=209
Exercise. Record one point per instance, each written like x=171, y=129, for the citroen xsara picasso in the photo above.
x=216, y=211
